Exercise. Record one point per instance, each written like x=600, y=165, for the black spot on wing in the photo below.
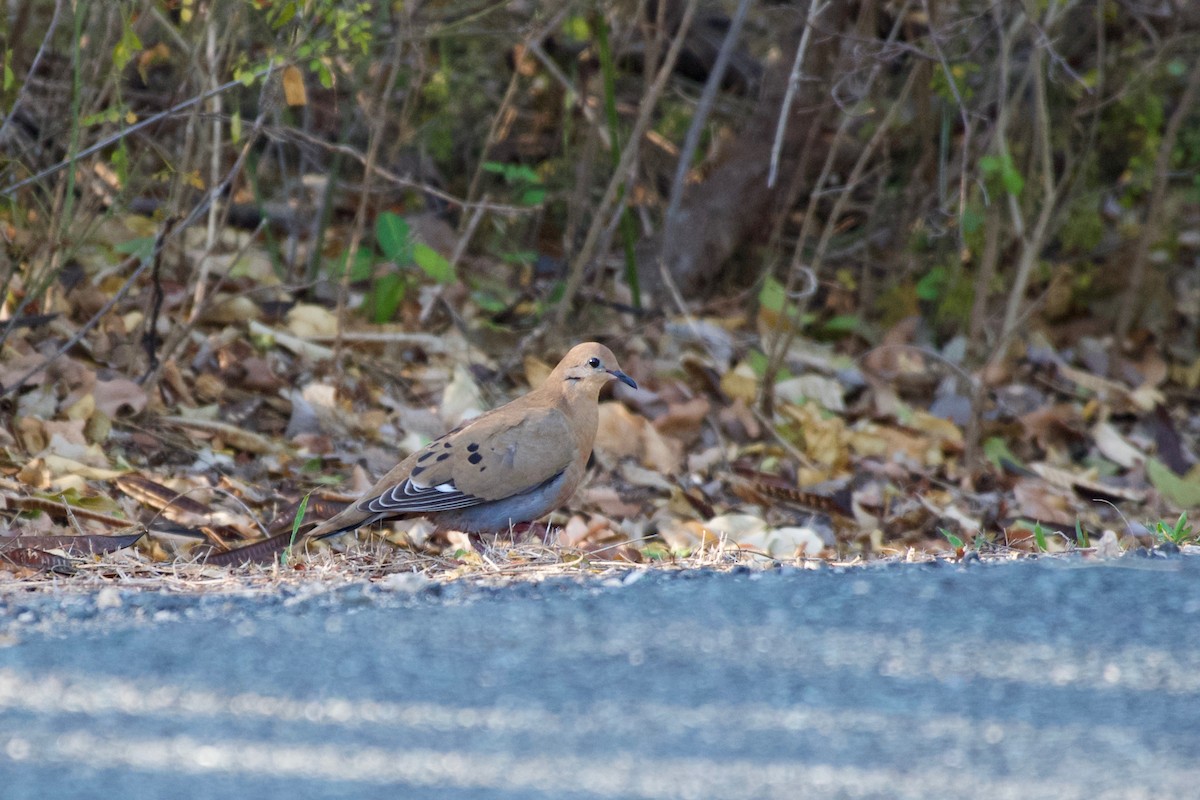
x=474, y=458
x=443, y=456
x=472, y=447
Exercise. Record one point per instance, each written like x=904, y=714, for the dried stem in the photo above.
x=622, y=173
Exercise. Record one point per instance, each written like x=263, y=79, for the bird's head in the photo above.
x=586, y=368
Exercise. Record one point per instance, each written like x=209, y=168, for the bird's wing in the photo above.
x=491, y=458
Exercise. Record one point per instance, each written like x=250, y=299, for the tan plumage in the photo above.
x=511, y=465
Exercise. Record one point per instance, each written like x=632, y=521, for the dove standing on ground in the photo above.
x=509, y=466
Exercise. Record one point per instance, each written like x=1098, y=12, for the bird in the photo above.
x=509, y=466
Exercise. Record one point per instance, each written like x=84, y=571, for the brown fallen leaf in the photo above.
x=179, y=508
x=232, y=435
x=61, y=510
x=112, y=396
x=1084, y=485
x=685, y=420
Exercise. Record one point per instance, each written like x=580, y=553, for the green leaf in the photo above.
x=1003, y=167
x=930, y=287
x=955, y=541
x=296, y=520
x=385, y=297
x=361, y=270
x=971, y=220
x=758, y=361
x=392, y=236
x=324, y=76
x=1039, y=536
x=842, y=324
x=519, y=257
x=141, y=247
x=433, y=263
x=1182, y=492
x=522, y=173
x=996, y=451
x=772, y=296
x=576, y=27
x=120, y=162
x=1012, y=180
x=533, y=197
x=488, y=302
x=286, y=12
x=1179, y=533
x=126, y=48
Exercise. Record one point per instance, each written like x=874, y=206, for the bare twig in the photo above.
x=400, y=180
x=145, y=263
x=1158, y=192
x=793, y=85
x=214, y=165
x=33, y=67
x=691, y=141
x=777, y=348
x=533, y=44
x=621, y=174
x=126, y=132
x=380, y=119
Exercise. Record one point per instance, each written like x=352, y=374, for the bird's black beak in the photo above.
x=623, y=378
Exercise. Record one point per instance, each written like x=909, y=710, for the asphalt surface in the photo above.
x=1056, y=679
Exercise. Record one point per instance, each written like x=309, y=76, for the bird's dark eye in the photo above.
x=593, y=362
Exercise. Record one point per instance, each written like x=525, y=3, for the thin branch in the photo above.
x=622, y=173
x=691, y=141
x=532, y=44
x=146, y=262
x=962, y=109
x=380, y=119
x=793, y=86
x=1154, y=210
x=33, y=68
x=125, y=132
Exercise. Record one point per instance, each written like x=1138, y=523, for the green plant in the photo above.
x=1002, y=172
x=1081, y=535
x=525, y=182
x=1179, y=533
x=1039, y=537
x=955, y=541
x=296, y=521
x=394, y=245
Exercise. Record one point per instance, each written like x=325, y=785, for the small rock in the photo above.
x=403, y=582
x=1168, y=549
x=109, y=597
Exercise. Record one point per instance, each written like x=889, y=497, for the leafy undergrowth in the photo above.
x=426, y=242
x=213, y=435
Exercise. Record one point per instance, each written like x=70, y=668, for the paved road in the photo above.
x=1023, y=680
